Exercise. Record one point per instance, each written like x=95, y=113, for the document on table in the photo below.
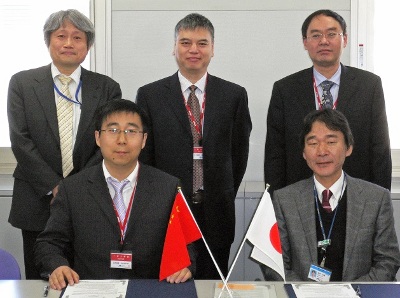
x=245, y=290
x=317, y=290
x=97, y=289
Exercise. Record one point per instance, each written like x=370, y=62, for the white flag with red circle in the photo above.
x=263, y=233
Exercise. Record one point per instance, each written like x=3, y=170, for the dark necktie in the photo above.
x=326, y=195
x=194, y=105
x=327, y=99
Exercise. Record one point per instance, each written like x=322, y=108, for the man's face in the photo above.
x=121, y=151
x=326, y=51
x=193, y=51
x=325, y=151
x=68, y=47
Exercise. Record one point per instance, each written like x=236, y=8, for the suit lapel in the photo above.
x=214, y=102
x=175, y=101
x=347, y=89
x=44, y=91
x=90, y=101
x=305, y=97
x=355, y=210
x=99, y=193
x=305, y=205
x=141, y=200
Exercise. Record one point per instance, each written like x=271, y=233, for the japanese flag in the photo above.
x=263, y=233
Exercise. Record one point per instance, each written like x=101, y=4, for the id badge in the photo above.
x=197, y=152
x=121, y=259
x=318, y=273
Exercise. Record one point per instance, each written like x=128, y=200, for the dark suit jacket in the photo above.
x=83, y=218
x=226, y=132
x=35, y=140
x=371, y=247
x=360, y=99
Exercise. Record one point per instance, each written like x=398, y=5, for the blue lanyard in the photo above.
x=67, y=98
x=334, y=216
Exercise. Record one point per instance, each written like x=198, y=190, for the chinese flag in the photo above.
x=182, y=230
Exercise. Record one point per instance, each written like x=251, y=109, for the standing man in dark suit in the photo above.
x=348, y=235
x=199, y=132
x=86, y=219
x=356, y=93
x=46, y=149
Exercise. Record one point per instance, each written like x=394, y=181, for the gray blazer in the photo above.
x=371, y=247
x=35, y=140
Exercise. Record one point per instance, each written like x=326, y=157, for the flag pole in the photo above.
x=240, y=248
x=205, y=243
x=231, y=268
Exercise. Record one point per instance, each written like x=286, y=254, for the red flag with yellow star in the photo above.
x=182, y=230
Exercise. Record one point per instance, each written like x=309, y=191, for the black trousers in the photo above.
x=29, y=239
x=205, y=267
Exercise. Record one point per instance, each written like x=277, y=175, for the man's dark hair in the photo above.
x=118, y=106
x=324, y=12
x=193, y=21
x=333, y=119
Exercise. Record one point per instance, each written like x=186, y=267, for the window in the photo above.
x=372, y=24
x=386, y=65
x=21, y=23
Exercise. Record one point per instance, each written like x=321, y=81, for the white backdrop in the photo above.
x=252, y=49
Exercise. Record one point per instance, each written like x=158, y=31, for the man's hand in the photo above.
x=60, y=274
x=180, y=276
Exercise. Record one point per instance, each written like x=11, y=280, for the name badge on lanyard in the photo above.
x=319, y=273
x=121, y=259
x=197, y=152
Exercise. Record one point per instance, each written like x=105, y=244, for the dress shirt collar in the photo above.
x=75, y=76
x=319, y=78
x=132, y=176
x=185, y=83
x=337, y=190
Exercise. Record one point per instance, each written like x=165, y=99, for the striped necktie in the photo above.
x=65, y=125
x=118, y=197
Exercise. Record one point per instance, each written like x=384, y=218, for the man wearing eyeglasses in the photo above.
x=328, y=83
x=109, y=241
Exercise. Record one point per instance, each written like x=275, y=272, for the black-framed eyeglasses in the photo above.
x=114, y=132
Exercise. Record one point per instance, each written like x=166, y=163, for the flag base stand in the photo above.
x=244, y=290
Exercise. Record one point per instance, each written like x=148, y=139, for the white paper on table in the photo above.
x=317, y=290
x=97, y=289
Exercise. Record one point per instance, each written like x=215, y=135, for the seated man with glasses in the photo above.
x=358, y=94
x=120, y=207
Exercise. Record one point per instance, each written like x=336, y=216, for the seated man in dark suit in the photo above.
x=86, y=217
x=340, y=226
